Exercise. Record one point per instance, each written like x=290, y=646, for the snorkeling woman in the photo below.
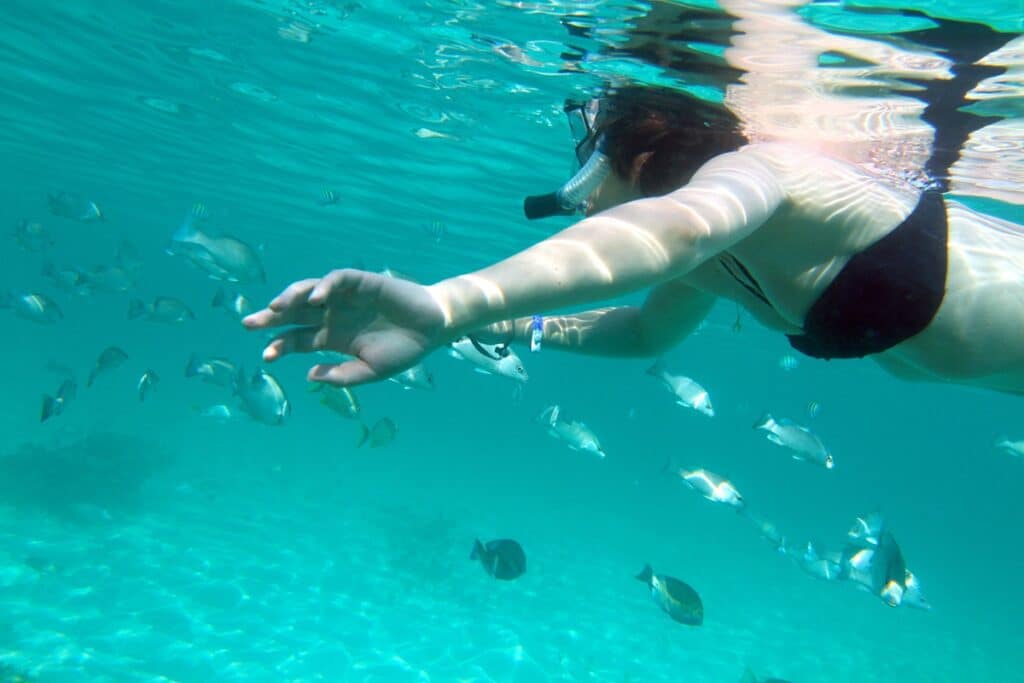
x=679, y=201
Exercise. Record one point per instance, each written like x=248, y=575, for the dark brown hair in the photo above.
x=678, y=132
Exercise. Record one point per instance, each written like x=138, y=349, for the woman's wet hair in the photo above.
x=678, y=132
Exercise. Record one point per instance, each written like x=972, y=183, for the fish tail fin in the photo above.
x=50, y=408
x=478, y=550
x=218, y=298
x=645, y=574
x=657, y=369
x=191, y=368
x=364, y=434
x=765, y=421
x=136, y=307
x=92, y=378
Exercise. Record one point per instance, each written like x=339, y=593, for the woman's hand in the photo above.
x=387, y=324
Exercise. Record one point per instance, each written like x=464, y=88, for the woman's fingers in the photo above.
x=334, y=284
x=290, y=307
x=346, y=374
x=298, y=340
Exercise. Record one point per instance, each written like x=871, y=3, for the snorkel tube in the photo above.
x=565, y=200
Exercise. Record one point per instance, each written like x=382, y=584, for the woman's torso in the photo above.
x=835, y=210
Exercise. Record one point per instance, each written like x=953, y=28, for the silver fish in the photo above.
x=416, y=377
x=802, y=443
x=219, y=412
x=233, y=303
x=218, y=371
x=110, y=358
x=111, y=279
x=827, y=567
x=146, y=383
x=263, y=398
x=490, y=359
x=163, y=309
x=382, y=433
x=688, y=393
x=37, y=308
x=713, y=487
x=339, y=399
x=577, y=435
x=32, y=236
x=1014, y=448
x=55, y=405
x=67, y=205
x=69, y=279
x=222, y=258
x=768, y=530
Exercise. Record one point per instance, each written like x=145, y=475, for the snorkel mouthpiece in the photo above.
x=570, y=196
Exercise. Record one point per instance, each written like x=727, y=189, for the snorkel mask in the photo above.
x=594, y=166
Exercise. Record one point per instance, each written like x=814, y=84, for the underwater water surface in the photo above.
x=159, y=540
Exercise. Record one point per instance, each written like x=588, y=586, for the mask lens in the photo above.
x=582, y=119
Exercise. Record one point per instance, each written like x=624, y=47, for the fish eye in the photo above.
x=520, y=369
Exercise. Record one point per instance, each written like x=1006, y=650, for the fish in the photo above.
x=503, y=558
x=219, y=412
x=879, y=569
x=111, y=279
x=490, y=359
x=802, y=443
x=218, y=371
x=912, y=595
x=32, y=236
x=55, y=405
x=813, y=409
x=416, y=377
x=71, y=206
x=750, y=677
x=163, y=309
x=688, y=393
x=381, y=434
x=328, y=198
x=714, y=487
x=828, y=567
x=69, y=279
x=221, y=257
x=37, y=308
x=262, y=397
x=110, y=358
x=339, y=399
x=768, y=530
x=235, y=304
x=577, y=435
x=677, y=598
x=1014, y=448
x=146, y=383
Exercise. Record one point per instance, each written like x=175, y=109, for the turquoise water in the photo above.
x=144, y=542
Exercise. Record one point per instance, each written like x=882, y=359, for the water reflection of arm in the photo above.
x=670, y=313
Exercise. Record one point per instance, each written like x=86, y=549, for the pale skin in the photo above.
x=792, y=216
